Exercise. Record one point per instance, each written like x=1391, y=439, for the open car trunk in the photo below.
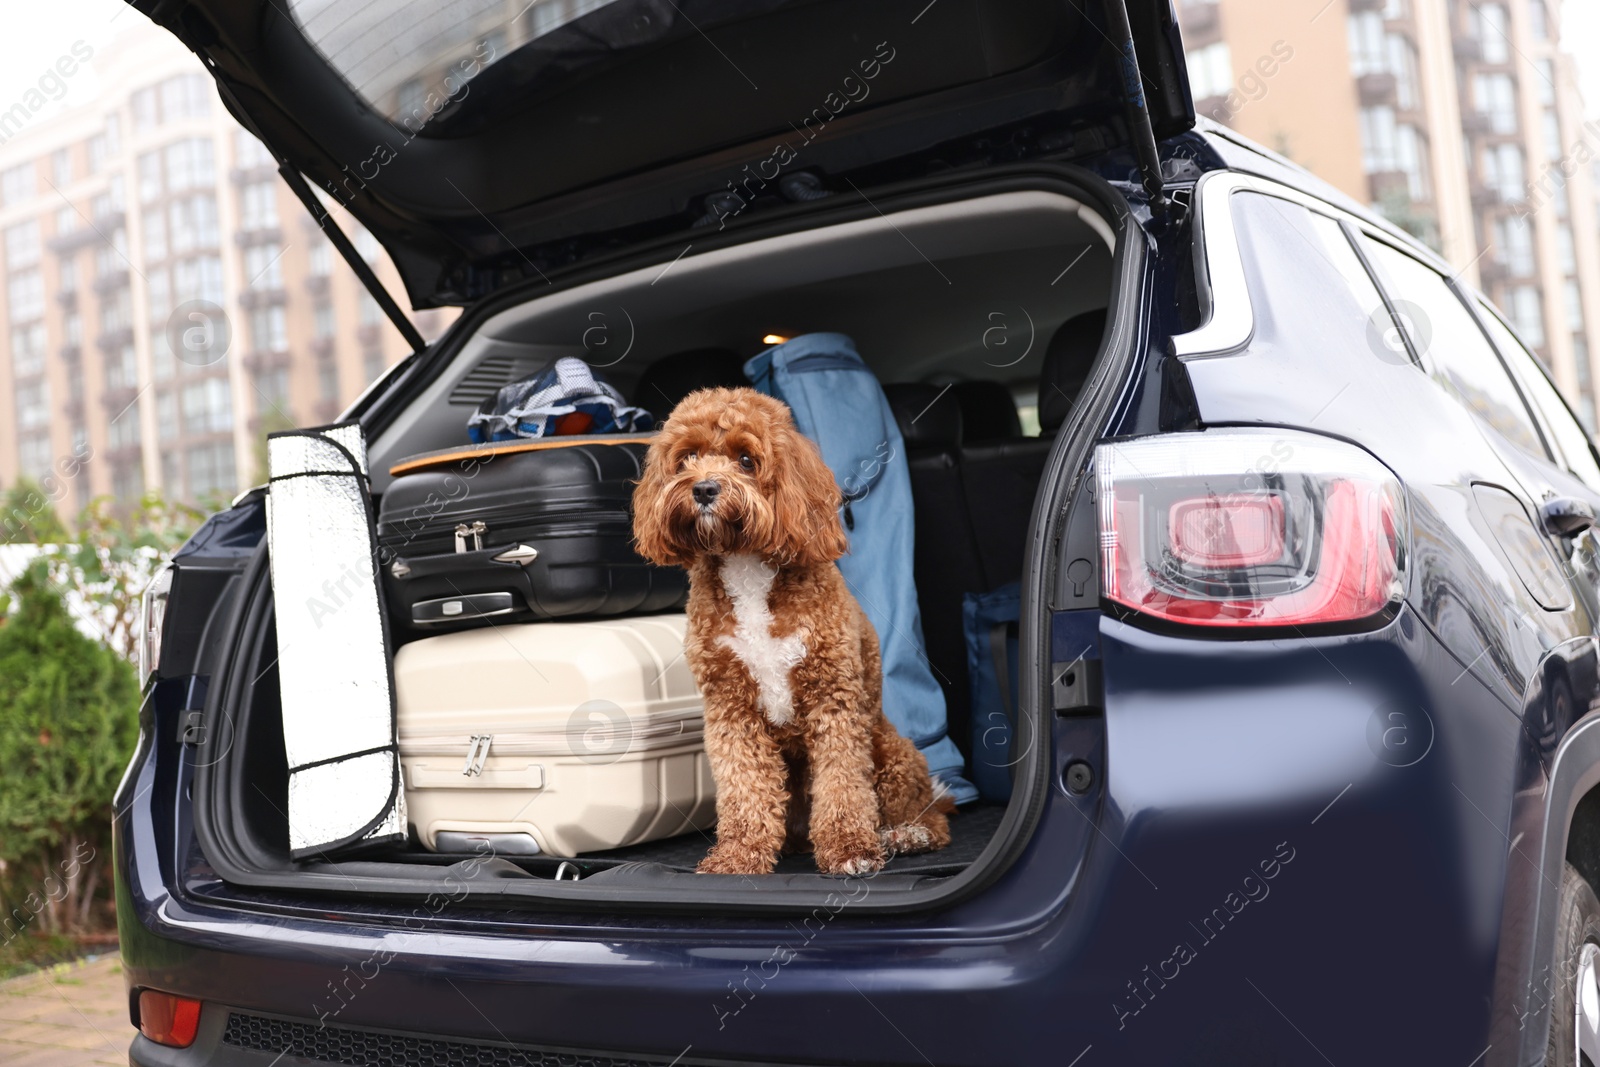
x=945, y=283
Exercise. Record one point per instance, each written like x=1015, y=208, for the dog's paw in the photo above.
x=735, y=861
x=863, y=860
x=905, y=839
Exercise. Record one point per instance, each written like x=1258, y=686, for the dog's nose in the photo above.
x=705, y=492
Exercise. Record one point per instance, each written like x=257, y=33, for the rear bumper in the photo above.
x=1251, y=874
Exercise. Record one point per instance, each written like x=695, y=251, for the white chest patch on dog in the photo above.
x=748, y=583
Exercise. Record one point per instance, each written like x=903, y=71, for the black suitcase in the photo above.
x=517, y=532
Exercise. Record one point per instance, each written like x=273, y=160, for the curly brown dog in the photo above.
x=786, y=661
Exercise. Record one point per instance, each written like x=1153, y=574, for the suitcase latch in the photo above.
x=474, y=530
x=477, y=752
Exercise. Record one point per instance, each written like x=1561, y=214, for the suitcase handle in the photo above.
x=512, y=555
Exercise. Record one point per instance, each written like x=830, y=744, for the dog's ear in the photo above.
x=806, y=502
x=652, y=508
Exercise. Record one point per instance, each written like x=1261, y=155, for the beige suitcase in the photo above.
x=552, y=737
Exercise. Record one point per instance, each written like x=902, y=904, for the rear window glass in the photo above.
x=412, y=59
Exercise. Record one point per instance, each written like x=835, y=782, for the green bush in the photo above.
x=68, y=723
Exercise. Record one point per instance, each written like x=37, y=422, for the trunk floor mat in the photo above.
x=970, y=830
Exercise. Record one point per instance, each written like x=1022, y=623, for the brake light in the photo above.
x=1249, y=528
x=168, y=1019
x=152, y=619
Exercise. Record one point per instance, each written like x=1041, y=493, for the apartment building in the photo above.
x=1460, y=121
x=165, y=300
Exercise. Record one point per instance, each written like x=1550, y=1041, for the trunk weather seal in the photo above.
x=1124, y=346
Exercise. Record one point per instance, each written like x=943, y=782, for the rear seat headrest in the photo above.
x=988, y=412
x=671, y=378
x=928, y=415
x=1066, y=366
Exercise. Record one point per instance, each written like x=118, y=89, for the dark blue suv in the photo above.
x=1301, y=765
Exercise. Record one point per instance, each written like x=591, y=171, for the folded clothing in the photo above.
x=566, y=397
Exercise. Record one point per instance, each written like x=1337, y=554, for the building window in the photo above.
x=1553, y=150
x=22, y=245
x=193, y=223
x=146, y=107
x=370, y=313
x=185, y=97
x=1539, y=20
x=199, y=278
x=155, y=237
x=116, y=311
x=61, y=166
x=25, y=293
x=1491, y=29
x=267, y=330
x=68, y=275
x=27, y=349
x=72, y=328
x=258, y=208
x=1547, y=82
x=249, y=152
x=207, y=407
x=1496, y=96
x=158, y=295
x=168, y=424
x=112, y=257
x=1574, y=302
x=373, y=364
x=1367, y=44
x=322, y=316
x=328, y=380
x=122, y=370
x=366, y=245
x=262, y=267
x=33, y=455
x=1527, y=314
x=17, y=184
x=1403, y=65
x=33, y=404
x=99, y=150
x=1503, y=171
x=1566, y=250
x=66, y=220
x=124, y=431
x=211, y=469
x=190, y=164
x=1210, y=71
x=1513, y=238
x=321, y=257
x=150, y=184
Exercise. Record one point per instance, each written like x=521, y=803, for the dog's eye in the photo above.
x=689, y=457
x=746, y=462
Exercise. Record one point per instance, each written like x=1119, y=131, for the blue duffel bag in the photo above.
x=989, y=621
x=839, y=404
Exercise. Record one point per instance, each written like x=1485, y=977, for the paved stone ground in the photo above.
x=70, y=1015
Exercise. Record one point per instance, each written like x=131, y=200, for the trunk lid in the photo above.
x=487, y=141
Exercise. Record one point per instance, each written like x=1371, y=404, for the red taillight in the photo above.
x=1227, y=531
x=167, y=1019
x=1249, y=528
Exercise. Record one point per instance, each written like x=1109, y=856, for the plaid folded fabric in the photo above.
x=564, y=398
